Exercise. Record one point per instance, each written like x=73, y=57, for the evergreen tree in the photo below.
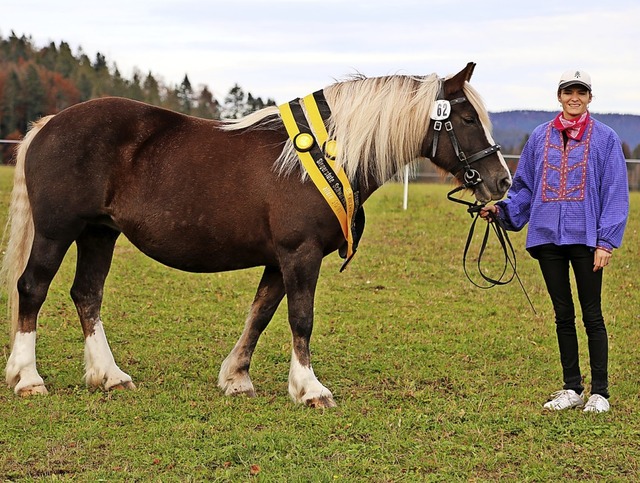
x=19, y=48
x=119, y=86
x=83, y=61
x=11, y=104
x=151, y=90
x=234, y=103
x=100, y=64
x=102, y=80
x=66, y=62
x=255, y=104
x=171, y=99
x=85, y=86
x=185, y=95
x=48, y=56
x=207, y=106
x=34, y=95
x=135, y=87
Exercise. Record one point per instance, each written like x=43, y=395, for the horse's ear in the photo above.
x=469, y=70
x=455, y=83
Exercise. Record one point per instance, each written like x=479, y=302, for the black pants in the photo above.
x=554, y=262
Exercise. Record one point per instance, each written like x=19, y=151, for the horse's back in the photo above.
x=90, y=139
x=91, y=153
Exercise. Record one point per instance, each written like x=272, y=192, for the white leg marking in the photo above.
x=100, y=366
x=303, y=384
x=233, y=381
x=21, y=369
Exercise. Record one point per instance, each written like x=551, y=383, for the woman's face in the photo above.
x=575, y=101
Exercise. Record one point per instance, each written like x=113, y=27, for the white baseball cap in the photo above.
x=575, y=76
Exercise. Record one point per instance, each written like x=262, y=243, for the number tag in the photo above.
x=441, y=110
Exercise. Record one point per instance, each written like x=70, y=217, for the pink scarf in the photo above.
x=573, y=127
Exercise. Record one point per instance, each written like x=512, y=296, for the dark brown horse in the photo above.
x=206, y=196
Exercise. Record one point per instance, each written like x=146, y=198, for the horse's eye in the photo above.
x=469, y=120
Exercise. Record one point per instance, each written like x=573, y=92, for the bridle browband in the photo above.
x=471, y=176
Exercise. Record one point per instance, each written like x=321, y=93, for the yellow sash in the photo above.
x=315, y=151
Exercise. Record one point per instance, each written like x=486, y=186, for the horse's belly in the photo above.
x=211, y=247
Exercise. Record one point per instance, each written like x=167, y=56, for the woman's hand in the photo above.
x=601, y=259
x=488, y=212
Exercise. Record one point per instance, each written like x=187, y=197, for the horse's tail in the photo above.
x=20, y=229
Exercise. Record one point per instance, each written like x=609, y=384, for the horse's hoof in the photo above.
x=247, y=392
x=238, y=387
x=123, y=386
x=321, y=402
x=38, y=390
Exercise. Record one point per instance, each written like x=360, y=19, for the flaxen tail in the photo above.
x=20, y=229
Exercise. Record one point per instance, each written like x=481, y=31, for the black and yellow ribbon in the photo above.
x=308, y=133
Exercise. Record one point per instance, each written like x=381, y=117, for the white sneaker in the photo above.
x=597, y=404
x=565, y=399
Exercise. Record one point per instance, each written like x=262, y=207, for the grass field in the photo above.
x=435, y=380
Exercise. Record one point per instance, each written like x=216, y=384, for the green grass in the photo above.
x=435, y=379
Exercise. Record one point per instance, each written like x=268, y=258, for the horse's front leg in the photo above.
x=304, y=386
x=234, y=378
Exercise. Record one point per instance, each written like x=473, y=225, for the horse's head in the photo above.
x=459, y=139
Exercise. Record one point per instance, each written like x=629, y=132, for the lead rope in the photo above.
x=503, y=239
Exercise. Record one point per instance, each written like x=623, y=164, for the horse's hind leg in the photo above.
x=44, y=261
x=234, y=373
x=95, y=252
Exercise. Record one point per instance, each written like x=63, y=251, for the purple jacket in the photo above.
x=575, y=196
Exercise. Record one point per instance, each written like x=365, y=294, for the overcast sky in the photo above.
x=284, y=49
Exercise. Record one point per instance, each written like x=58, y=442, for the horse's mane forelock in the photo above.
x=379, y=123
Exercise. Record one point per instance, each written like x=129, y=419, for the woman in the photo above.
x=571, y=188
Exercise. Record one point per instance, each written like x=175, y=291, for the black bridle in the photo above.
x=472, y=178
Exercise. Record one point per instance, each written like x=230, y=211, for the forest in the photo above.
x=39, y=81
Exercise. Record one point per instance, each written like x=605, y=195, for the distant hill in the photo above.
x=511, y=128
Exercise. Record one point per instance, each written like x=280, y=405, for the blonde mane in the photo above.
x=379, y=123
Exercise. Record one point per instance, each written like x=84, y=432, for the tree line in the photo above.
x=39, y=81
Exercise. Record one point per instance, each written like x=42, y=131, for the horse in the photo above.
x=209, y=196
